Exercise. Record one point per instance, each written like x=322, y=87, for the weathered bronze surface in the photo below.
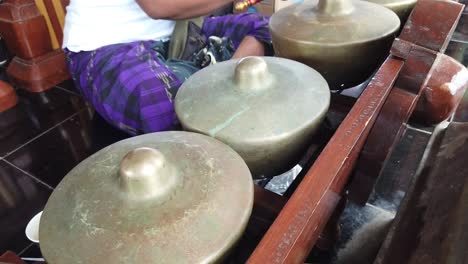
x=401, y=7
x=170, y=197
x=344, y=40
x=265, y=108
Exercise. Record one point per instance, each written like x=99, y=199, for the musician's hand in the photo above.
x=249, y=46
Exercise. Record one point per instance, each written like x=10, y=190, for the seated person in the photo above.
x=117, y=54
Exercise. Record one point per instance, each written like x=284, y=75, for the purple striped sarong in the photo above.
x=130, y=85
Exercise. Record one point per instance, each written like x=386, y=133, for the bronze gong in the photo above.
x=169, y=197
x=267, y=109
x=344, y=40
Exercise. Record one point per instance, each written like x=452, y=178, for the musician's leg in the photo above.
x=128, y=85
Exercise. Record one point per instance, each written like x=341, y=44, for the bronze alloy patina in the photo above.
x=168, y=197
x=402, y=8
x=344, y=40
x=265, y=108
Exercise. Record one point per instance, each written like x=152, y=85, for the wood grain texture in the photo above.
x=441, y=93
x=299, y=224
x=24, y=29
x=419, y=45
x=431, y=31
x=390, y=124
x=37, y=66
x=39, y=74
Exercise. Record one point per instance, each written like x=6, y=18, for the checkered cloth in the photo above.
x=132, y=86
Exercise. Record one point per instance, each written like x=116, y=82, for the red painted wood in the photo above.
x=36, y=66
x=419, y=44
x=431, y=22
x=39, y=74
x=8, y=97
x=440, y=94
x=24, y=29
x=390, y=123
x=11, y=258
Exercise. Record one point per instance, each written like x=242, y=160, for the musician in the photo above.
x=117, y=54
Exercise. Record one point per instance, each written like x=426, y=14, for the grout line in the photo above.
x=25, y=249
x=66, y=90
x=29, y=174
x=41, y=134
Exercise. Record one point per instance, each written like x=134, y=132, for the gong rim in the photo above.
x=268, y=119
x=89, y=220
x=334, y=31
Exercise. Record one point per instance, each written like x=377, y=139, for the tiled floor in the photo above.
x=41, y=140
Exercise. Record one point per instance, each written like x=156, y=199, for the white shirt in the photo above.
x=91, y=24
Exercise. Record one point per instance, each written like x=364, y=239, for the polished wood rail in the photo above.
x=421, y=89
x=299, y=224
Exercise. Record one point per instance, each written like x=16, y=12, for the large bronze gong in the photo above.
x=402, y=8
x=344, y=40
x=171, y=197
x=265, y=108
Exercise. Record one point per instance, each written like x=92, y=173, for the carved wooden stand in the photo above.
x=8, y=97
x=415, y=68
x=421, y=88
x=36, y=66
